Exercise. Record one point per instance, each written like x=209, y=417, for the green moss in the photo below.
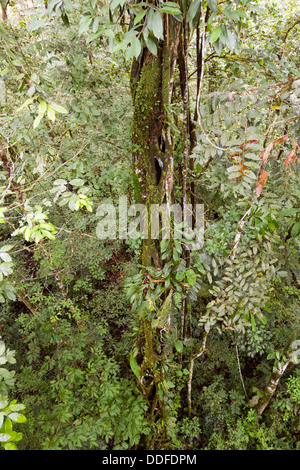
x=136, y=188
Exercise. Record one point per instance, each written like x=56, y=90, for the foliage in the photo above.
x=114, y=352
x=9, y=409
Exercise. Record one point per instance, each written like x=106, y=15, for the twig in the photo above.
x=284, y=121
x=239, y=232
x=239, y=366
x=191, y=371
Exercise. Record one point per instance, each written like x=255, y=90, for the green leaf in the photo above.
x=177, y=299
x=212, y=4
x=232, y=15
x=295, y=230
x=157, y=26
x=5, y=257
x=115, y=3
x=175, y=255
x=108, y=33
x=60, y=182
x=241, y=13
x=253, y=156
x=151, y=46
x=178, y=246
x=6, y=247
x=27, y=103
x=17, y=417
x=127, y=38
x=133, y=364
x=10, y=446
x=140, y=16
x=135, y=47
x=231, y=40
x=77, y=182
x=179, y=346
x=4, y=437
x=27, y=233
x=169, y=384
x=3, y=402
x=16, y=407
x=72, y=202
x=215, y=34
x=42, y=107
x=37, y=121
x=77, y=205
x=163, y=312
x=180, y=275
x=59, y=109
x=257, y=8
x=36, y=24
x=172, y=5
x=283, y=213
x=252, y=320
x=171, y=8
x=38, y=237
x=194, y=13
x=9, y=292
x=191, y=277
x=91, y=37
x=6, y=269
x=85, y=25
x=51, y=113
x=8, y=426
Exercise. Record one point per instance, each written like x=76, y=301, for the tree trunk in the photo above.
x=275, y=377
x=4, y=5
x=152, y=78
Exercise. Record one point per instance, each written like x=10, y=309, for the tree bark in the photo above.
x=4, y=5
x=275, y=377
x=152, y=82
x=23, y=297
x=152, y=79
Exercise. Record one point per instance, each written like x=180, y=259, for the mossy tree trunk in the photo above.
x=152, y=81
x=277, y=373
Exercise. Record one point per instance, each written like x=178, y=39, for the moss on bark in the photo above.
x=151, y=84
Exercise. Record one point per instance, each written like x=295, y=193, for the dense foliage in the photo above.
x=126, y=343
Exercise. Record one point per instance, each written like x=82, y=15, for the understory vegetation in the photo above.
x=130, y=342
